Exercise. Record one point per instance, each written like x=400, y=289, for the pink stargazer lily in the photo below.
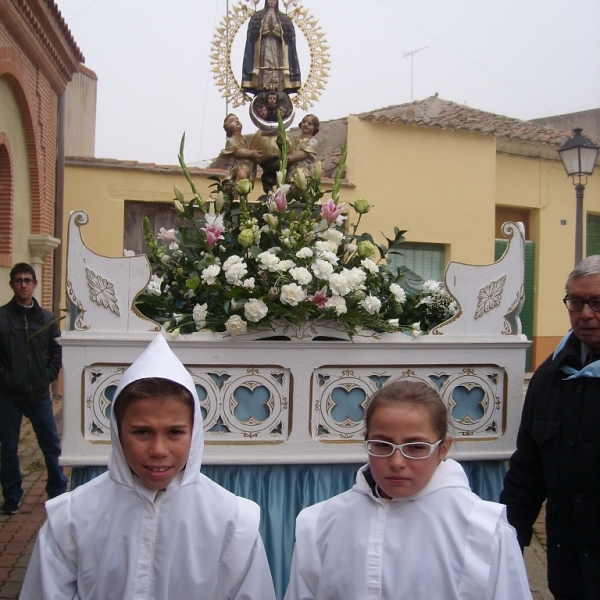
x=331, y=210
x=214, y=229
x=280, y=199
x=320, y=297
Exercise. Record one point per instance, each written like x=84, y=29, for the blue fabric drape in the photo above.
x=282, y=491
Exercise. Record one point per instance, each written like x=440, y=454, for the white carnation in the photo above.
x=369, y=265
x=285, y=265
x=338, y=304
x=292, y=294
x=356, y=278
x=301, y=275
x=209, y=275
x=371, y=304
x=399, y=293
x=268, y=261
x=199, y=315
x=235, y=272
x=338, y=284
x=232, y=260
x=305, y=252
x=322, y=269
x=249, y=283
x=255, y=310
x=235, y=325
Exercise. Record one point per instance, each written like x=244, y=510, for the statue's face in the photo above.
x=271, y=3
x=232, y=124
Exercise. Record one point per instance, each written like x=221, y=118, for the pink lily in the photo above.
x=320, y=297
x=214, y=228
x=331, y=210
x=279, y=198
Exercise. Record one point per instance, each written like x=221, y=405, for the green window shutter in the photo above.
x=426, y=260
x=592, y=238
x=527, y=311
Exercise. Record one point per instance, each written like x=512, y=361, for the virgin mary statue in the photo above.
x=270, y=56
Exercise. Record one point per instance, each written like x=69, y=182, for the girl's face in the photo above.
x=156, y=435
x=398, y=476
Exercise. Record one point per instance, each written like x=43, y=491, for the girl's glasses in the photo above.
x=414, y=450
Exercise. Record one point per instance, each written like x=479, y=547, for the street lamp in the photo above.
x=578, y=155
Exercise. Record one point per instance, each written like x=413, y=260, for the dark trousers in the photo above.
x=41, y=415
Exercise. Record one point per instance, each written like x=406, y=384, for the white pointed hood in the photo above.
x=158, y=360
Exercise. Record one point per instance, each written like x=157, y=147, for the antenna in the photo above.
x=412, y=56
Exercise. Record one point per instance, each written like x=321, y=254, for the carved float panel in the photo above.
x=474, y=396
x=238, y=404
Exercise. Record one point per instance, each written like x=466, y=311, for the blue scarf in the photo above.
x=591, y=370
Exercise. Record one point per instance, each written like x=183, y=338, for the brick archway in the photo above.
x=14, y=68
x=6, y=201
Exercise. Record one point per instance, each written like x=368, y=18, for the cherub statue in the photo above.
x=303, y=157
x=239, y=159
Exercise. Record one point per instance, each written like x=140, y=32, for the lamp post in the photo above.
x=578, y=156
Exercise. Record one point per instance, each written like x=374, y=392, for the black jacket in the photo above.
x=558, y=460
x=30, y=355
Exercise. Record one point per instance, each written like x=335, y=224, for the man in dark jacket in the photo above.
x=30, y=359
x=558, y=447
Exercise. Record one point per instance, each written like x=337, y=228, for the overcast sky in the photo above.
x=521, y=58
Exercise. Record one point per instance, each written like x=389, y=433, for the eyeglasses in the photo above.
x=577, y=304
x=414, y=450
x=25, y=280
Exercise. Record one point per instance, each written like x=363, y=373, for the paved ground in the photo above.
x=18, y=532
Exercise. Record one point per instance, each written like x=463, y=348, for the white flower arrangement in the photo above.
x=289, y=257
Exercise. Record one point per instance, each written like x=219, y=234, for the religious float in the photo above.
x=288, y=318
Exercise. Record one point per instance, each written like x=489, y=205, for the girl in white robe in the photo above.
x=117, y=538
x=410, y=527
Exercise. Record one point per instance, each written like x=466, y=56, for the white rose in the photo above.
x=301, y=275
x=235, y=325
x=255, y=310
x=371, y=304
x=292, y=294
x=249, y=283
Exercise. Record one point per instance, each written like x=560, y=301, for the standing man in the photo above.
x=558, y=447
x=30, y=359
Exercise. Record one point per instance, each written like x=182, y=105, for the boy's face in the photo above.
x=156, y=435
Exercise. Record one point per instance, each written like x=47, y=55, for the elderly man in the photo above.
x=558, y=447
x=30, y=359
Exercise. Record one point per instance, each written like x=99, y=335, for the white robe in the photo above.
x=443, y=542
x=113, y=538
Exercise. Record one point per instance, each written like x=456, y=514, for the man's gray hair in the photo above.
x=588, y=266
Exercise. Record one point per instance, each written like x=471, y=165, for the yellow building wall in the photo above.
x=438, y=185
x=102, y=191
x=11, y=125
x=541, y=186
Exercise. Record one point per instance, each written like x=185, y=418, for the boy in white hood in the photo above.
x=153, y=526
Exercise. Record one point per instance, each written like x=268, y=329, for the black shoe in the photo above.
x=10, y=507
